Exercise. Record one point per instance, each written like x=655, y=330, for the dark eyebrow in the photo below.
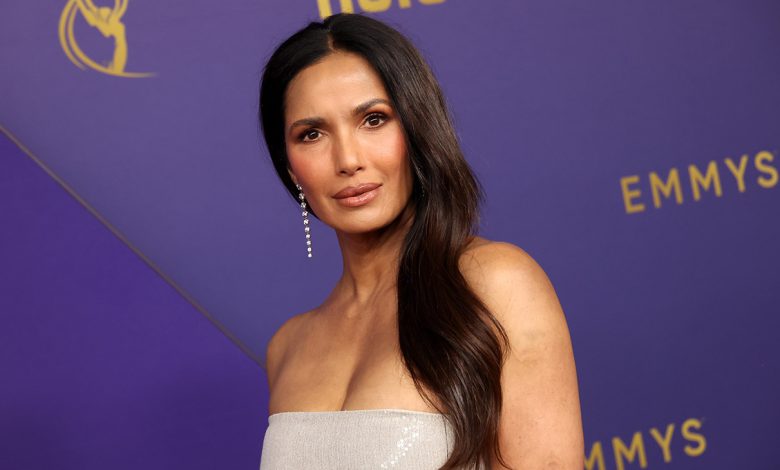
x=318, y=121
x=308, y=122
x=362, y=108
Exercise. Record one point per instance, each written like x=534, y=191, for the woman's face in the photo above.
x=345, y=144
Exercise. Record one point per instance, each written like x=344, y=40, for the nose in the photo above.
x=347, y=155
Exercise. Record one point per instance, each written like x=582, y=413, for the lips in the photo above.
x=356, y=196
x=352, y=191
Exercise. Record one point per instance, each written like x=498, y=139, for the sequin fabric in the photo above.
x=356, y=439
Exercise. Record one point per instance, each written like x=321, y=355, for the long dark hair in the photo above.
x=449, y=340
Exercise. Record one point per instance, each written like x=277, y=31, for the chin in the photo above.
x=360, y=228
x=359, y=224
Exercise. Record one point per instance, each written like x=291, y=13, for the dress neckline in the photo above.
x=352, y=412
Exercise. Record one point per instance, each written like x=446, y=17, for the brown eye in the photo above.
x=309, y=135
x=375, y=119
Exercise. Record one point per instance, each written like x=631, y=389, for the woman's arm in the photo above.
x=540, y=424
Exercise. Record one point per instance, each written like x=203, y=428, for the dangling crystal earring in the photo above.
x=305, y=215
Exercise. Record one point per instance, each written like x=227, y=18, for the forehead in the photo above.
x=336, y=83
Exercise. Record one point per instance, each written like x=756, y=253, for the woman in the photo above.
x=436, y=348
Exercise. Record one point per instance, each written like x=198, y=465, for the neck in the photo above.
x=371, y=260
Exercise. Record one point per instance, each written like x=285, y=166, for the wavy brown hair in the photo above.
x=449, y=340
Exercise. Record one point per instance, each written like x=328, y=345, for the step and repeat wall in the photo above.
x=632, y=148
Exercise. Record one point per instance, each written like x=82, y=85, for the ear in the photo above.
x=292, y=176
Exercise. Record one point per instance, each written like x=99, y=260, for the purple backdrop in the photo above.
x=103, y=364
x=593, y=127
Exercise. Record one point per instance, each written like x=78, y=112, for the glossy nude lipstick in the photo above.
x=356, y=196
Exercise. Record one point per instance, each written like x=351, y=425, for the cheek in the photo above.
x=401, y=160
x=305, y=167
x=393, y=150
x=314, y=172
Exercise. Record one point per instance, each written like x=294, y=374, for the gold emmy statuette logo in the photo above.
x=109, y=22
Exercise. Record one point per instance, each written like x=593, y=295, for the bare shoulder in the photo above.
x=278, y=344
x=540, y=425
x=484, y=259
x=515, y=289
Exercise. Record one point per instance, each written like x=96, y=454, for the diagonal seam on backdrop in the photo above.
x=135, y=250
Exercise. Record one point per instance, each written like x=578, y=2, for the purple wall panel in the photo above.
x=102, y=363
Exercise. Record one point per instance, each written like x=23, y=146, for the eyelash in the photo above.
x=382, y=116
x=303, y=134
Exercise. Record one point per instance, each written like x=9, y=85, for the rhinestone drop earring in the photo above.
x=305, y=214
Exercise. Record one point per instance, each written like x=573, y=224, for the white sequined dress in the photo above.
x=356, y=439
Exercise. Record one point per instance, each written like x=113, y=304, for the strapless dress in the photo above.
x=356, y=439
